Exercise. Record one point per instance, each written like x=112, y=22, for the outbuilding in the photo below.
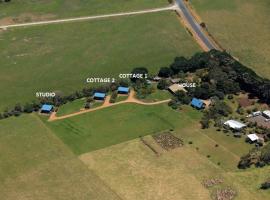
x=99, y=96
x=235, y=125
x=175, y=80
x=46, y=108
x=253, y=137
x=197, y=103
x=123, y=90
x=157, y=78
x=257, y=113
x=266, y=114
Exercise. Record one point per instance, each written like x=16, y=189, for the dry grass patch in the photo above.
x=135, y=172
x=243, y=30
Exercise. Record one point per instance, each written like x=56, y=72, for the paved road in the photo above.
x=194, y=24
x=89, y=17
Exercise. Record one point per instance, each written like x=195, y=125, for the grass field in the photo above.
x=71, y=107
x=121, y=98
x=243, y=30
x=158, y=95
x=40, y=9
x=117, y=124
x=62, y=56
x=135, y=172
x=36, y=165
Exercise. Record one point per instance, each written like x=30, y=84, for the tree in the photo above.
x=114, y=86
x=165, y=72
x=179, y=64
x=205, y=122
x=90, y=100
x=28, y=108
x=182, y=97
x=113, y=97
x=87, y=92
x=124, y=83
x=18, y=108
x=87, y=105
x=265, y=185
x=163, y=84
x=265, y=154
x=138, y=70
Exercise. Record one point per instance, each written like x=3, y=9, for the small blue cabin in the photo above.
x=46, y=108
x=197, y=103
x=123, y=90
x=99, y=96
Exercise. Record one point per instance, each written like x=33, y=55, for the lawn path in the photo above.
x=131, y=99
x=171, y=7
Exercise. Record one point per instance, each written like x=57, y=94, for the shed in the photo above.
x=266, y=114
x=157, y=78
x=257, y=113
x=233, y=124
x=99, y=96
x=175, y=88
x=175, y=80
x=253, y=137
x=123, y=90
x=46, y=108
x=197, y=103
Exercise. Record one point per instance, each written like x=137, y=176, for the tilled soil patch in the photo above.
x=168, y=141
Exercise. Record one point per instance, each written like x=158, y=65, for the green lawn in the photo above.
x=121, y=98
x=117, y=124
x=71, y=107
x=159, y=95
x=35, y=164
x=62, y=56
x=71, y=8
x=243, y=30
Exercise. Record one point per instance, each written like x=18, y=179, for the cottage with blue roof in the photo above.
x=46, y=108
x=123, y=90
x=99, y=96
x=197, y=103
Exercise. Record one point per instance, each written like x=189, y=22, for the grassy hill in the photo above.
x=60, y=57
x=243, y=30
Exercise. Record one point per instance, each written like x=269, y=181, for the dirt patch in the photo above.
x=224, y=194
x=245, y=102
x=212, y=182
x=261, y=121
x=26, y=17
x=168, y=141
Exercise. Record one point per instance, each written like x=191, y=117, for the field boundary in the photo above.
x=57, y=21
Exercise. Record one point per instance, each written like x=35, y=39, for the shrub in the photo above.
x=87, y=105
x=265, y=185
